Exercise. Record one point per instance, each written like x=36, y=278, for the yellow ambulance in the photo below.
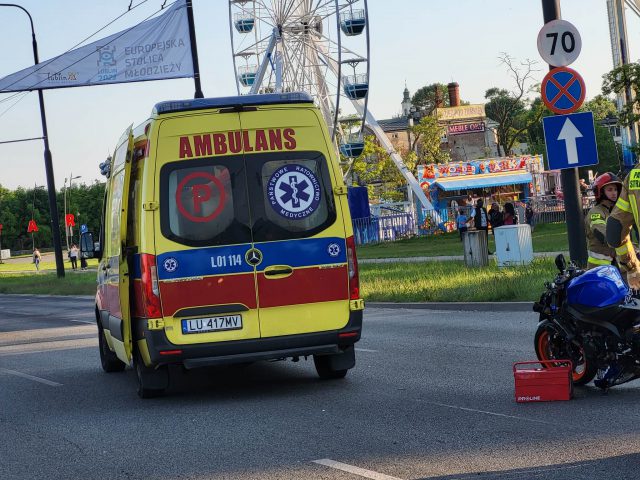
x=226, y=239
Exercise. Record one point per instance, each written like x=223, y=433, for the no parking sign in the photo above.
x=563, y=90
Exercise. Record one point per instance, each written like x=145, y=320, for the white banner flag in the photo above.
x=156, y=49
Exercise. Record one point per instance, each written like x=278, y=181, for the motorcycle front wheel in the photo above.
x=550, y=344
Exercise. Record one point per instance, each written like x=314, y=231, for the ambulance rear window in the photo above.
x=204, y=202
x=291, y=195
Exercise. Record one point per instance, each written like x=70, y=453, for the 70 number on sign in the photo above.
x=559, y=43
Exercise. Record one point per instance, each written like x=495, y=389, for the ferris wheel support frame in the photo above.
x=275, y=38
x=372, y=123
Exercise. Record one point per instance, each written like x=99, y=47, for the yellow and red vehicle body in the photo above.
x=227, y=237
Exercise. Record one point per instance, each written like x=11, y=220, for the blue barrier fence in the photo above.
x=383, y=229
x=387, y=228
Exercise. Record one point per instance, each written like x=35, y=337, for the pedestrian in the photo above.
x=528, y=214
x=462, y=222
x=495, y=216
x=481, y=221
x=510, y=216
x=36, y=258
x=83, y=260
x=73, y=256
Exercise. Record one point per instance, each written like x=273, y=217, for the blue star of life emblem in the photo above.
x=294, y=191
x=170, y=264
x=333, y=249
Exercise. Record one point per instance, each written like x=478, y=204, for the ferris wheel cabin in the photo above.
x=353, y=23
x=247, y=75
x=352, y=146
x=244, y=22
x=356, y=87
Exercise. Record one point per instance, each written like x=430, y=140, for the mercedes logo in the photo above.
x=253, y=256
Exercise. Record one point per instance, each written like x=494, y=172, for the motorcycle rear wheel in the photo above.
x=550, y=344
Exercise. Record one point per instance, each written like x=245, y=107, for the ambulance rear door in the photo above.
x=116, y=267
x=203, y=236
x=298, y=230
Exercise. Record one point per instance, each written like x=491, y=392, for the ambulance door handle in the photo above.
x=278, y=271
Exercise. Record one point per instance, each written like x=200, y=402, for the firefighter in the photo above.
x=619, y=225
x=606, y=188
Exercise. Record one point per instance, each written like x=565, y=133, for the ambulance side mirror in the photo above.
x=89, y=248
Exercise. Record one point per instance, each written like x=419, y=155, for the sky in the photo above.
x=413, y=42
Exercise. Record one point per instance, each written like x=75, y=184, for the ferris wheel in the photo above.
x=316, y=46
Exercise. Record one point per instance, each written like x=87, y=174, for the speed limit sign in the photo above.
x=559, y=43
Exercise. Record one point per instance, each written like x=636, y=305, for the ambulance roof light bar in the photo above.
x=172, y=106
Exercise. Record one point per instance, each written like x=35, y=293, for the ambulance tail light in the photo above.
x=352, y=263
x=150, y=292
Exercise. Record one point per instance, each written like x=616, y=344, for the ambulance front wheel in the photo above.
x=336, y=365
x=108, y=359
x=152, y=382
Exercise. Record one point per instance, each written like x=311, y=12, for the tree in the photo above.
x=376, y=170
x=509, y=108
x=426, y=98
x=427, y=135
x=609, y=154
x=601, y=106
x=625, y=78
x=21, y=205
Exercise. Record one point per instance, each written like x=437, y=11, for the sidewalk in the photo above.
x=446, y=258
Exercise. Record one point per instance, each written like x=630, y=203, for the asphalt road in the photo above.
x=431, y=397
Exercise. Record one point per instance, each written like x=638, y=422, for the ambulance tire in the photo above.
x=151, y=382
x=335, y=366
x=108, y=359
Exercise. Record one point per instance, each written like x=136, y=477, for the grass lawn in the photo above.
x=453, y=282
x=389, y=282
x=47, y=283
x=10, y=266
x=549, y=237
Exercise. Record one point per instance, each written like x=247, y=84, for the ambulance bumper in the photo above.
x=240, y=351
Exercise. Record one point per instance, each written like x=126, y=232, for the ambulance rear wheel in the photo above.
x=151, y=382
x=336, y=365
x=108, y=359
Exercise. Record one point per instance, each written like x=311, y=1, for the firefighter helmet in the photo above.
x=602, y=181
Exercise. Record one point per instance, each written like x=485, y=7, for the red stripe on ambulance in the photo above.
x=304, y=285
x=217, y=290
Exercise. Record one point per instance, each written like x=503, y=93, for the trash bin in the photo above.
x=513, y=245
x=476, y=251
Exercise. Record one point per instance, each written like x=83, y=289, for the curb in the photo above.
x=447, y=258
x=458, y=306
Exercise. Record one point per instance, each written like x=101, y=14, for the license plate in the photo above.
x=212, y=324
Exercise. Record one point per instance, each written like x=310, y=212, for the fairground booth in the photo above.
x=450, y=186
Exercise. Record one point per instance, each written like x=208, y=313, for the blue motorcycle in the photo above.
x=591, y=318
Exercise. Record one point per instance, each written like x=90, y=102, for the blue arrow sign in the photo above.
x=83, y=228
x=570, y=140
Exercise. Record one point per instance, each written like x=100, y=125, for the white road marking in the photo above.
x=30, y=377
x=365, y=350
x=45, y=334
x=83, y=321
x=355, y=470
x=40, y=347
x=495, y=414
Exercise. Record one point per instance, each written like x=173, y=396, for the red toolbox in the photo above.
x=543, y=381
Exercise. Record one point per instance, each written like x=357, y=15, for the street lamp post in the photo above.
x=48, y=162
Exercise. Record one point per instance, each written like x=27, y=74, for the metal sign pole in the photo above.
x=48, y=162
x=569, y=177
